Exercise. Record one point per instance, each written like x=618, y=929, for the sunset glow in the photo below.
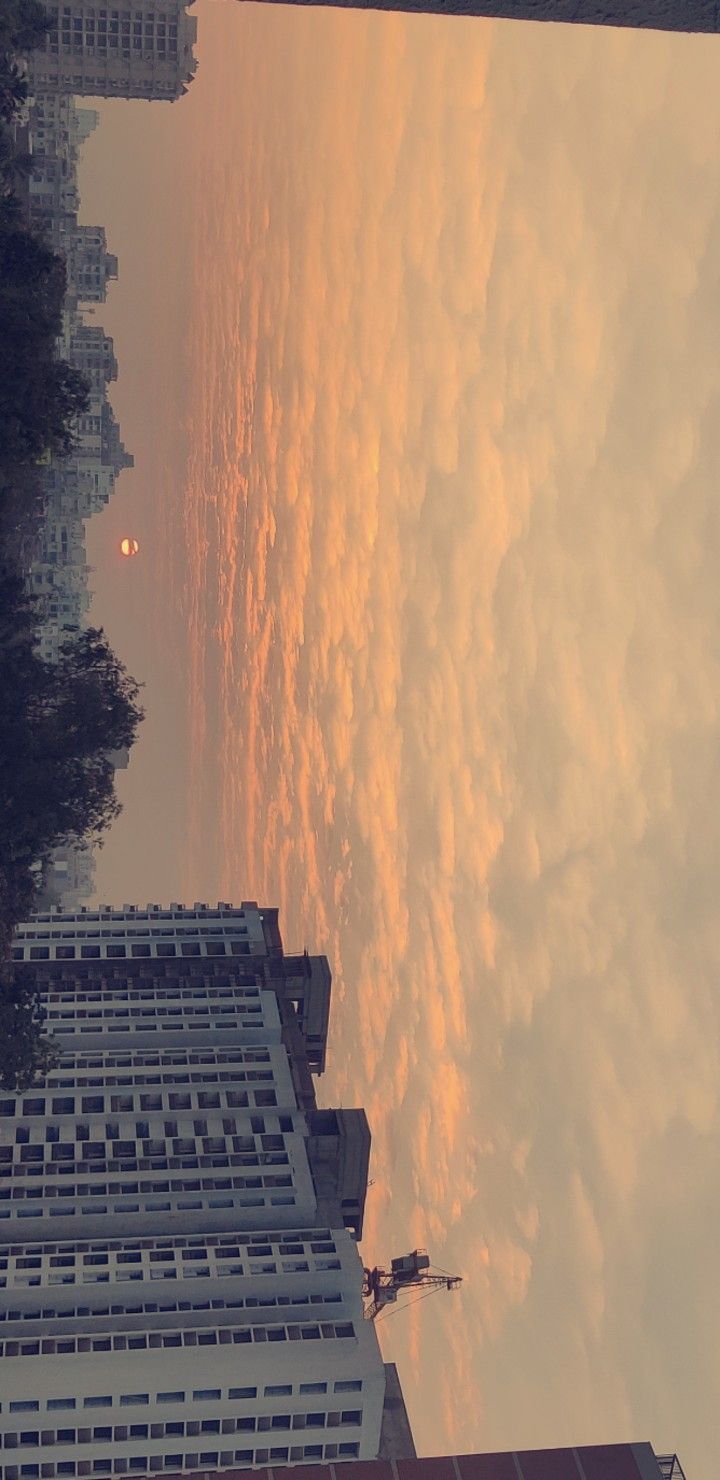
x=437, y=627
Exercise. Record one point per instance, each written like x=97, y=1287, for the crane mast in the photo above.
x=381, y=1287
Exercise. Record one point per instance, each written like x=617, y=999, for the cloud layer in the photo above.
x=449, y=590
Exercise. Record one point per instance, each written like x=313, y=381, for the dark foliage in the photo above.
x=59, y=724
x=40, y=395
x=23, y=27
x=26, y=1052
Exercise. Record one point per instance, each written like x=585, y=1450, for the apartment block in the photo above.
x=142, y=49
x=586, y=1462
x=657, y=15
x=180, y=1285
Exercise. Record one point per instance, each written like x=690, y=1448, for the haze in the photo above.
x=418, y=330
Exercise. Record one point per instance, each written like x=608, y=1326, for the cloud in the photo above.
x=449, y=590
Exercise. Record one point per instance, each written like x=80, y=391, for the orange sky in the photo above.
x=417, y=324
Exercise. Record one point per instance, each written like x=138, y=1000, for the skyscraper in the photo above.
x=589, y=1462
x=180, y=1286
x=659, y=15
x=117, y=49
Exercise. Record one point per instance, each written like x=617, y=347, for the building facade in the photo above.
x=142, y=49
x=68, y=875
x=173, y=1187
x=182, y=932
x=90, y=267
x=658, y=15
x=587, y=1462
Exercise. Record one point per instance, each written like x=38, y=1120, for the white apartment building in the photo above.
x=142, y=49
x=173, y=1186
x=136, y=932
x=186, y=932
x=172, y=1354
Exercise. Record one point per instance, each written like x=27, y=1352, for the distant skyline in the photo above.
x=417, y=328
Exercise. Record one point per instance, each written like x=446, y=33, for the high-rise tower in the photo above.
x=142, y=49
x=658, y=15
x=180, y=1286
x=587, y=1462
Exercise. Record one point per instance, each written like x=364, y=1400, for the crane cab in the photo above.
x=407, y=1267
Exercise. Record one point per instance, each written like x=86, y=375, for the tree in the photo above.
x=89, y=702
x=41, y=396
x=59, y=728
x=23, y=26
x=25, y=1052
x=13, y=89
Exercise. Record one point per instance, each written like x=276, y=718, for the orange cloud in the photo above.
x=447, y=589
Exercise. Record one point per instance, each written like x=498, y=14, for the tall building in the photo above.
x=658, y=15
x=588, y=1462
x=180, y=1284
x=126, y=49
x=68, y=875
x=56, y=131
x=90, y=267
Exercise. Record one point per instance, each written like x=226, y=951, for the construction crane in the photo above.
x=381, y=1287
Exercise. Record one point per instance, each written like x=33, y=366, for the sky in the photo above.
x=418, y=325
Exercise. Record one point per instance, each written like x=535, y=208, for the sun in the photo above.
x=129, y=546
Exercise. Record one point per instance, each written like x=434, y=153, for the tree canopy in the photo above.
x=25, y=1051
x=59, y=726
x=40, y=394
x=23, y=26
